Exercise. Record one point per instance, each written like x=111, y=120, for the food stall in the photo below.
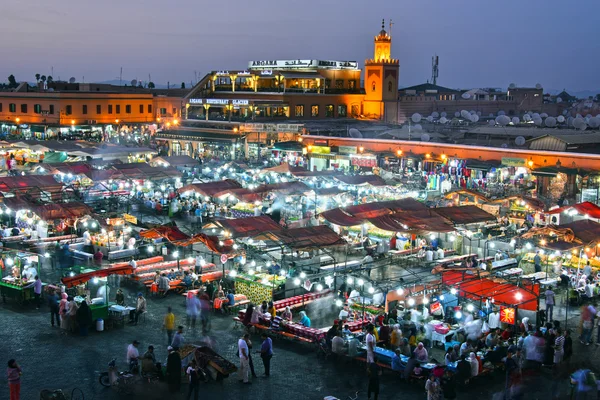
x=19, y=270
x=258, y=287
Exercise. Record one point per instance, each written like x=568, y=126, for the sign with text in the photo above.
x=347, y=150
x=507, y=315
x=301, y=64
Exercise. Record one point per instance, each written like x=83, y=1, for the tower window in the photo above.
x=373, y=86
x=389, y=86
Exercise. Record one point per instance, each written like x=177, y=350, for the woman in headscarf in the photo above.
x=421, y=353
x=396, y=337
x=248, y=315
x=474, y=364
x=63, y=311
x=304, y=320
x=287, y=314
x=405, y=347
x=72, y=307
x=432, y=387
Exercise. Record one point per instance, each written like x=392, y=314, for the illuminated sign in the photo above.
x=217, y=101
x=267, y=72
x=321, y=150
x=222, y=73
x=300, y=64
x=507, y=315
x=435, y=307
x=240, y=102
x=347, y=150
x=195, y=101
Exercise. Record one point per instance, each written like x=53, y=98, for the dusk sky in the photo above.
x=480, y=43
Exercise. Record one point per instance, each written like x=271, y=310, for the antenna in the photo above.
x=435, y=61
x=391, y=24
x=121, y=77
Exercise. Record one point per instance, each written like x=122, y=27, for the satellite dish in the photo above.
x=502, y=120
x=443, y=120
x=417, y=128
x=565, y=112
x=474, y=118
x=134, y=82
x=491, y=115
x=526, y=117
x=512, y=86
x=430, y=118
x=579, y=123
x=560, y=119
x=559, y=100
x=544, y=115
x=550, y=122
x=72, y=79
x=425, y=137
x=519, y=140
x=457, y=114
x=443, y=114
x=435, y=114
x=466, y=96
x=416, y=117
x=515, y=120
x=537, y=121
x=492, y=122
x=465, y=114
x=594, y=122
x=355, y=133
x=538, y=85
x=504, y=145
x=501, y=112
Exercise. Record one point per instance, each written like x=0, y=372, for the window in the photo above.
x=12, y=107
x=98, y=109
x=163, y=111
x=373, y=86
x=339, y=83
x=299, y=111
x=128, y=109
x=118, y=109
x=342, y=110
x=69, y=110
x=37, y=108
x=327, y=83
x=355, y=110
x=389, y=86
x=0, y=107
x=314, y=111
x=149, y=108
x=141, y=108
x=174, y=111
x=51, y=111
x=110, y=108
x=84, y=109
x=352, y=84
x=24, y=108
x=329, y=110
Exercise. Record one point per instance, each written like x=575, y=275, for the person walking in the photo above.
x=374, y=372
x=432, y=387
x=244, y=359
x=266, y=353
x=84, y=318
x=173, y=371
x=194, y=380
x=178, y=339
x=37, y=292
x=537, y=262
x=54, y=307
x=169, y=325
x=250, y=362
x=14, y=372
x=192, y=309
x=549, y=304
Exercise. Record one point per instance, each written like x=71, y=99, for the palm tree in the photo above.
x=49, y=79
x=37, y=78
x=151, y=85
x=12, y=81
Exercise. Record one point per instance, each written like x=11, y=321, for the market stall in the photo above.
x=19, y=270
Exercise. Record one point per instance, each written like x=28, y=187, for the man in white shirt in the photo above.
x=244, y=358
x=549, y=304
x=198, y=264
x=370, y=340
x=587, y=270
x=429, y=255
x=494, y=320
x=337, y=345
x=440, y=253
x=344, y=313
x=87, y=239
x=133, y=355
x=589, y=290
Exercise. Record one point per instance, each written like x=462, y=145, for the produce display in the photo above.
x=206, y=356
x=186, y=350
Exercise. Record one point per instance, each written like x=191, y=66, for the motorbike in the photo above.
x=122, y=381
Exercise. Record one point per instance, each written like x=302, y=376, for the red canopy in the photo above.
x=23, y=183
x=585, y=208
x=210, y=189
x=171, y=233
x=304, y=238
x=71, y=281
x=465, y=214
x=247, y=227
x=501, y=291
x=374, y=180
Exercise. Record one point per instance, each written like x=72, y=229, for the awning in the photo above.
x=338, y=217
x=210, y=188
x=300, y=75
x=304, y=238
x=248, y=227
x=373, y=180
x=171, y=233
x=464, y=215
x=71, y=281
x=585, y=230
x=585, y=208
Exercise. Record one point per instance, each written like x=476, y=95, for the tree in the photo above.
x=12, y=82
x=183, y=85
x=43, y=78
x=37, y=77
x=49, y=79
x=151, y=85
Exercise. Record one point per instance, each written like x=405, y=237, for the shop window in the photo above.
x=110, y=108
x=329, y=111
x=98, y=109
x=84, y=109
x=141, y=108
x=12, y=107
x=163, y=111
x=37, y=108
x=128, y=109
x=314, y=111
x=342, y=110
x=339, y=83
x=118, y=109
x=149, y=108
x=69, y=109
x=0, y=107
x=299, y=111
x=352, y=84
x=355, y=110
x=24, y=108
x=51, y=111
x=327, y=83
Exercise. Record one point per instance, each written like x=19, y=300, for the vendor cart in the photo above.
x=218, y=367
x=17, y=292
